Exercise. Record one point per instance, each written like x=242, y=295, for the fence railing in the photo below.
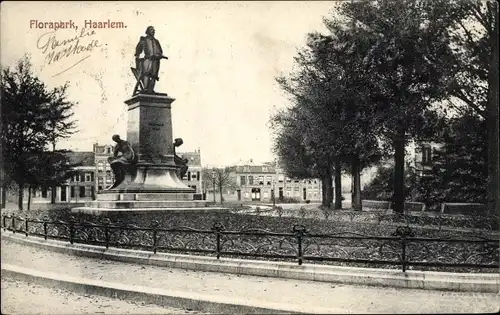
x=402, y=248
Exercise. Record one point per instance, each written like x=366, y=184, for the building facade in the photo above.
x=425, y=153
x=104, y=176
x=263, y=182
x=79, y=188
x=193, y=177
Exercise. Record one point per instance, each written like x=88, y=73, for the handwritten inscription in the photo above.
x=57, y=50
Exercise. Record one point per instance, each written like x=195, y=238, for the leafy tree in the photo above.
x=459, y=172
x=330, y=114
x=476, y=85
x=408, y=60
x=31, y=120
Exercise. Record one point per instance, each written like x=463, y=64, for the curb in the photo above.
x=185, y=300
x=427, y=280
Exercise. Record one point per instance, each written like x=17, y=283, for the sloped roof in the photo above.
x=85, y=158
x=255, y=169
x=194, y=158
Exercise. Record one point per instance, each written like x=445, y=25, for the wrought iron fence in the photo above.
x=402, y=248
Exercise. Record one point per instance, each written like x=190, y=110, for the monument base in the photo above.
x=152, y=178
x=110, y=211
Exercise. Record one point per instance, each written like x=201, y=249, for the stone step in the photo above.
x=132, y=204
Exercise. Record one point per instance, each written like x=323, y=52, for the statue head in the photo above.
x=116, y=138
x=178, y=142
x=150, y=31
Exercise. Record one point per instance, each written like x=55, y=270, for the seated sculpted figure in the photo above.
x=182, y=162
x=120, y=162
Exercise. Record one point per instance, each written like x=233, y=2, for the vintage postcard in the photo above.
x=208, y=157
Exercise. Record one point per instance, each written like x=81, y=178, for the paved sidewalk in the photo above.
x=347, y=298
x=20, y=297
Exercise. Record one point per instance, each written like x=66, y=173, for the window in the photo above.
x=281, y=178
x=108, y=150
x=426, y=155
x=100, y=188
x=198, y=175
x=88, y=177
x=44, y=192
x=250, y=180
x=266, y=195
x=72, y=191
x=189, y=176
x=247, y=195
x=261, y=180
x=82, y=191
x=269, y=179
x=243, y=180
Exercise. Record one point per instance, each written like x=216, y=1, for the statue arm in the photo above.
x=139, y=48
x=161, y=50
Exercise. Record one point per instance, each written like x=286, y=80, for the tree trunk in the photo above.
x=53, y=194
x=20, y=196
x=220, y=193
x=356, y=184
x=324, y=199
x=492, y=120
x=398, y=198
x=329, y=189
x=29, y=198
x=4, y=196
x=338, y=185
x=213, y=187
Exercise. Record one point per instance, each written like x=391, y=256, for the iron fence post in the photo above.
x=299, y=231
x=403, y=253
x=154, y=225
x=71, y=229
x=26, y=226
x=106, y=231
x=45, y=222
x=3, y=222
x=403, y=232
x=14, y=223
x=217, y=228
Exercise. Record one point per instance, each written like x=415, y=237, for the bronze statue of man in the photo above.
x=181, y=162
x=149, y=66
x=119, y=162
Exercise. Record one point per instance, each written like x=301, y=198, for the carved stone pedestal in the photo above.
x=153, y=183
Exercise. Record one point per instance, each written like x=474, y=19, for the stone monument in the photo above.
x=147, y=170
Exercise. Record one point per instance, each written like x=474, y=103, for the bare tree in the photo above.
x=219, y=179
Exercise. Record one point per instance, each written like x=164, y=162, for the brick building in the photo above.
x=260, y=182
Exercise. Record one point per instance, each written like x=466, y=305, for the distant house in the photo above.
x=80, y=187
x=104, y=175
x=261, y=182
x=425, y=154
x=193, y=177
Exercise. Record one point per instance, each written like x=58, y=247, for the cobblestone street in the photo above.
x=19, y=297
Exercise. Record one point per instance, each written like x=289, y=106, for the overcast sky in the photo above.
x=223, y=58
